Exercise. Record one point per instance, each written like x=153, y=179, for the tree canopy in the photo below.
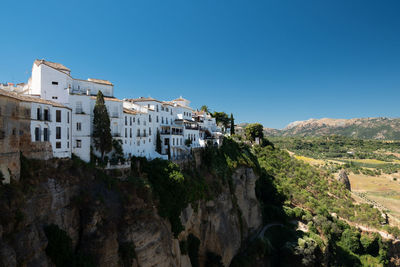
x=101, y=126
x=205, y=109
x=221, y=118
x=254, y=130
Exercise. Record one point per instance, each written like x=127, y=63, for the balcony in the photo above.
x=114, y=115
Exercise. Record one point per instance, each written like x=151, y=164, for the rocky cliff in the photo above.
x=103, y=216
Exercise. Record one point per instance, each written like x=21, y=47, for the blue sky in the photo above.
x=272, y=62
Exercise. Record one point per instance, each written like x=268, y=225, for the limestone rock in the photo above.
x=344, y=179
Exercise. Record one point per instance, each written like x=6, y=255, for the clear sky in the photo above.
x=265, y=61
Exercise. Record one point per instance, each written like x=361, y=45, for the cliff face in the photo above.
x=98, y=221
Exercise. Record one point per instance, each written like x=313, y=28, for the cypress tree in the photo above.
x=101, y=126
x=158, y=142
x=232, y=125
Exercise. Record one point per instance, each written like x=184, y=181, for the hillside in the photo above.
x=364, y=128
x=230, y=206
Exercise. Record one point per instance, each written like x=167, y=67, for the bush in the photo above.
x=351, y=240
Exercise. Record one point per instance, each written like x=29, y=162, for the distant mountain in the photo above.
x=365, y=128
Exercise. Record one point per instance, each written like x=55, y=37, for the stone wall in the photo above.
x=15, y=137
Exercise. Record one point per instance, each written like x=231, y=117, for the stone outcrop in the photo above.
x=344, y=179
x=98, y=221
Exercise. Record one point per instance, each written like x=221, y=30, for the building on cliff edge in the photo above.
x=52, y=116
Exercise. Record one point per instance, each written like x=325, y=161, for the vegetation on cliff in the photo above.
x=293, y=192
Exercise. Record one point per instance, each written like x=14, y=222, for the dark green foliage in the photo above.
x=101, y=126
x=205, y=109
x=350, y=240
x=370, y=243
x=158, y=142
x=118, y=155
x=213, y=260
x=232, y=125
x=193, y=249
x=126, y=251
x=221, y=118
x=254, y=130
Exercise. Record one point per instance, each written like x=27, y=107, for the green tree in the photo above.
x=158, y=142
x=101, y=126
x=205, y=109
x=254, y=130
x=221, y=118
x=232, y=125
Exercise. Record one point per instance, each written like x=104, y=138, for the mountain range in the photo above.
x=366, y=128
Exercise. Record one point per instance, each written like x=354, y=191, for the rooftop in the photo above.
x=100, y=81
x=26, y=98
x=54, y=65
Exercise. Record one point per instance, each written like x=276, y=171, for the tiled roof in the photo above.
x=130, y=111
x=54, y=65
x=26, y=98
x=180, y=99
x=143, y=99
x=108, y=99
x=100, y=81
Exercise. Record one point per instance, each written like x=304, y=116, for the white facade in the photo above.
x=52, y=124
x=135, y=122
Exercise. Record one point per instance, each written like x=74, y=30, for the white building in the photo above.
x=64, y=115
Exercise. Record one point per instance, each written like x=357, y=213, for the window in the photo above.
x=130, y=121
x=157, y=118
x=58, y=144
x=67, y=144
x=138, y=121
x=54, y=83
x=58, y=115
x=162, y=119
x=58, y=132
x=126, y=120
x=166, y=141
x=149, y=131
x=67, y=117
x=173, y=141
x=138, y=132
x=39, y=114
x=78, y=143
x=157, y=108
x=78, y=126
x=133, y=119
x=37, y=134
x=46, y=115
x=144, y=132
x=126, y=132
x=68, y=133
x=149, y=118
x=130, y=132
